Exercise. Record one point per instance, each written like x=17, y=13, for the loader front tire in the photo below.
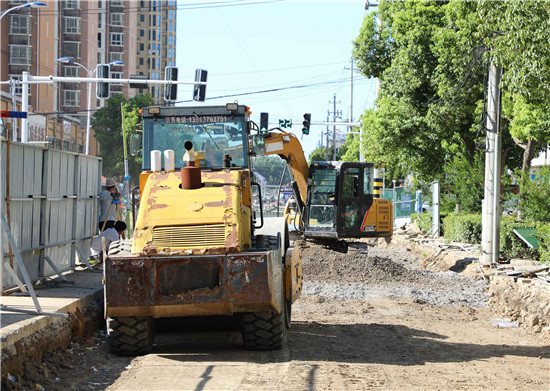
x=130, y=335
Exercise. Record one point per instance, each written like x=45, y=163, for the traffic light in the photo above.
x=306, y=123
x=103, y=90
x=264, y=122
x=199, y=93
x=171, y=90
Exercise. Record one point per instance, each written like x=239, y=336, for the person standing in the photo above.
x=106, y=210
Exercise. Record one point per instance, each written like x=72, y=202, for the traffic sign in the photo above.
x=13, y=114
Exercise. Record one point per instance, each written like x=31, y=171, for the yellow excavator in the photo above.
x=334, y=201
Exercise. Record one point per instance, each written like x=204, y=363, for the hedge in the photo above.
x=465, y=228
x=424, y=220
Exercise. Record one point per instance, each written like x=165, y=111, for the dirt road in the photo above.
x=365, y=322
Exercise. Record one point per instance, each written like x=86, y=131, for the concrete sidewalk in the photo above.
x=22, y=334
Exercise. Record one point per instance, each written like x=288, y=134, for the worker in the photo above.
x=106, y=206
x=110, y=235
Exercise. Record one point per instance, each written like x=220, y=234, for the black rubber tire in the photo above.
x=264, y=330
x=130, y=335
x=123, y=246
x=288, y=313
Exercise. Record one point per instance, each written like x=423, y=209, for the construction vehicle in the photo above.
x=334, y=201
x=195, y=249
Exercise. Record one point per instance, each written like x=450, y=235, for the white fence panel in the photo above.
x=52, y=206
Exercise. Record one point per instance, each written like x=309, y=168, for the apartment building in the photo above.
x=156, y=41
x=141, y=35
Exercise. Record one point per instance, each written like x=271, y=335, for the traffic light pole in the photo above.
x=27, y=79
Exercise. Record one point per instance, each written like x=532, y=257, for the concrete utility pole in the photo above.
x=490, y=232
x=335, y=114
x=328, y=118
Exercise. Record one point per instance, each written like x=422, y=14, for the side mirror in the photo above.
x=258, y=144
x=135, y=144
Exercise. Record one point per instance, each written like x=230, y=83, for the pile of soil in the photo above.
x=384, y=273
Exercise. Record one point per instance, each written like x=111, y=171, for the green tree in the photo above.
x=430, y=108
x=107, y=125
x=533, y=193
x=271, y=168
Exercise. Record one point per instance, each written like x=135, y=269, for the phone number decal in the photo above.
x=196, y=119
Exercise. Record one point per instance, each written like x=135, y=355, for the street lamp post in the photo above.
x=33, y=4
x=65, y=60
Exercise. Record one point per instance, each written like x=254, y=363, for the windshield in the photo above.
x=213, y=135
x=323, y=186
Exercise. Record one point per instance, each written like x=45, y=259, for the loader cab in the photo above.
x=214, y=132
x=339, y=197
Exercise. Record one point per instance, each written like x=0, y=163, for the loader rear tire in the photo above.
x=130, y=335
x=265, y=330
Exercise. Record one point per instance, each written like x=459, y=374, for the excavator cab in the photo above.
x=339, y=201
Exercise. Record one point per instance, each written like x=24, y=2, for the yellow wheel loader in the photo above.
x=195, y=250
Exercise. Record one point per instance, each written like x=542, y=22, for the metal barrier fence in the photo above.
x=50, y=203
x=403, y=202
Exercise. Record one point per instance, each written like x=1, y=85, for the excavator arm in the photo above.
x=288, y=147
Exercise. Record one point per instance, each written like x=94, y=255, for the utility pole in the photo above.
x=351, y=108
x=490, y=231
x=335, y=114
x=328, y=118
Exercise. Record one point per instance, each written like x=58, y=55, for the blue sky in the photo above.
x=258, y=45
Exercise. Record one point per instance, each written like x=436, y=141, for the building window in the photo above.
x=154, y=35
x=116, y=57
x=142, y=18
x=141, y=47
x=72, y=4
x=71, y=25
x=18, y=87
x=117, y=19
x=170, y=53
x=100, y=21
x=141, y=61
x=20, y=24
x=70, y=71
x=116, y=3
x=116, y=75
x=71, y=98
x=141, y=32
x=71, y=49
x=117, y=39
x=20, y=55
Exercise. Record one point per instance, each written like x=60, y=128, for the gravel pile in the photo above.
x=382, y=274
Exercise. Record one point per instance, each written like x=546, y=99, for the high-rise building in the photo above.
x=156, y=41
x=139, y=34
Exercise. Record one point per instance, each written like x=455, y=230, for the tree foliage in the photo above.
x=271, y=168
x=107, y=125
x=434, y=56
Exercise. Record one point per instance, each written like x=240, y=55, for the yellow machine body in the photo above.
x=214, y=219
